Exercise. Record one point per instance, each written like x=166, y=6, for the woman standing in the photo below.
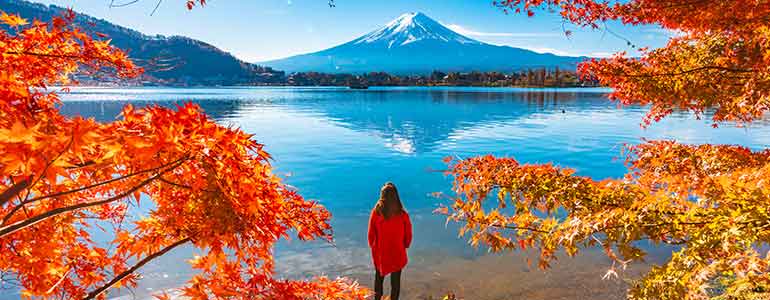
x=390, y=233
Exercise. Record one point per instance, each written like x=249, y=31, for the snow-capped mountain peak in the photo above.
x=409, y=28
x=414, y=43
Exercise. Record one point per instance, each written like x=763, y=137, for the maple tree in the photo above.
x=711, y=203
x=62, y=179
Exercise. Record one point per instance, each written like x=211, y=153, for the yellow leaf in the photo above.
x=12, y=20
x=18, y=133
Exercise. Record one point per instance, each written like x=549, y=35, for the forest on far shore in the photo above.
x=540, y=77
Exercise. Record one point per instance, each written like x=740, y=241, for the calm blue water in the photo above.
x=339, y=146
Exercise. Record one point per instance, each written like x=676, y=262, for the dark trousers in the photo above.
x=395, y=285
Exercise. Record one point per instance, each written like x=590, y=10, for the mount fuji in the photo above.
x=416, y=44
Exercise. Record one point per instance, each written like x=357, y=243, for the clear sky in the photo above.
x=259, y=30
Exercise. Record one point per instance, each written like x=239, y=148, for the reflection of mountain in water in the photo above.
x=411, y=120
x=415, y=121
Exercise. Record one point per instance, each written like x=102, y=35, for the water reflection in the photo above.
x=412, y=120
x=416, y=121
x=339, y=146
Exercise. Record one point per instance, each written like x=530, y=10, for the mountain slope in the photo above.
x=167, y=60
x=416, y=44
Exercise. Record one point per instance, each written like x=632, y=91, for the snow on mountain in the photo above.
x=414, y=43
x=412, y=27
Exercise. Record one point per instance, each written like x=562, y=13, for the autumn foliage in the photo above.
x=64, y=179
x=711, y=203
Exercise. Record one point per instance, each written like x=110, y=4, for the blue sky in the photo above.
x=259, y=30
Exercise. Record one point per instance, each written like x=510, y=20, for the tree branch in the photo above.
x=42, y=173
x=498, y=225
x=95, y=293
x=112, y=4
x=156, y=7
x=27, y=201
x=51, y=162
x=6, y=230
x=685, y=72
x=668, y=6
x=185, y=157
x=179, y=185
x=44, y=54
x=14, y=190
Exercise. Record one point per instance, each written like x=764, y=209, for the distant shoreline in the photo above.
x=323, y=86
x=538, y=78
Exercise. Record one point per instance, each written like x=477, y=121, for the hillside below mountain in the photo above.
x=172, y=60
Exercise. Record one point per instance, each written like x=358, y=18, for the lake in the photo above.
x=339, y=146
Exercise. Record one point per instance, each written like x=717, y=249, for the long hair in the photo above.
x=389, y=203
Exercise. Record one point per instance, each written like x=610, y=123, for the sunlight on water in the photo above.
x=339, y=146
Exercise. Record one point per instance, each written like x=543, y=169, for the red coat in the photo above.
x=389, y=239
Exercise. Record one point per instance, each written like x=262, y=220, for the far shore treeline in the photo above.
x=540, y=77
x=266, y=76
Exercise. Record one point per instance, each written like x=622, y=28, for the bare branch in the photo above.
x=112, y=4
x=156, y=7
